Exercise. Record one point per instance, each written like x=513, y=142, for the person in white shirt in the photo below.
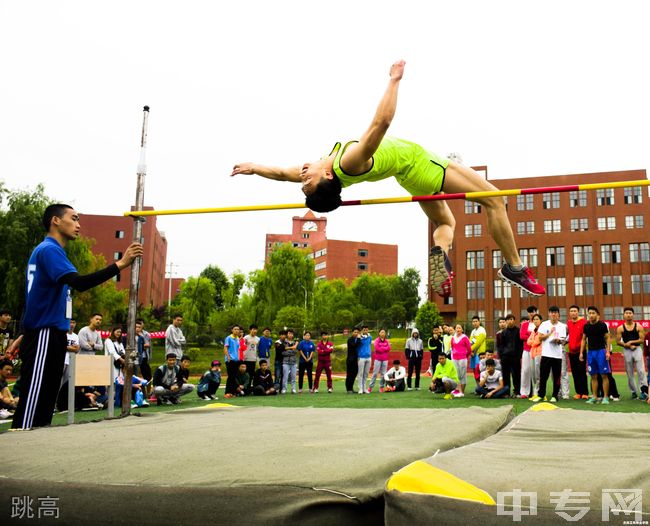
x=491, y=383
x=90, y=339
x=73, y=346
x=174, y=338
x=554, y=336
x=395, y=377
x=114, y=348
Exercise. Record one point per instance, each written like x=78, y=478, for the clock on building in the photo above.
x=309, y=226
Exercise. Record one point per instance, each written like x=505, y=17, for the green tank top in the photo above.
x=417, y=170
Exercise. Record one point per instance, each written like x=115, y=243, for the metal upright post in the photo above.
x=131, y=349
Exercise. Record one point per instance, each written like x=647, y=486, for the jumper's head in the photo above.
x=321, y=186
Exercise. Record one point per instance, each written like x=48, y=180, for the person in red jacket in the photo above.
x=324, y=349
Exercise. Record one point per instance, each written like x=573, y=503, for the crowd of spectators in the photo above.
x=525, y=357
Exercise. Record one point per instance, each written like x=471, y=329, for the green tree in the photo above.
x=196, y=302
x=291, y=317
x=219, y=280
x=104, y=298
x=427, y=318
x=20, y=223
x=287, y=280
x=407, y=292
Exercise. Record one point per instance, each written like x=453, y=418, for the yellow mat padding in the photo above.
x=544, y=406
x=420, y=477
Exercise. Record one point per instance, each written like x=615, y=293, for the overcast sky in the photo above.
x=526, y=88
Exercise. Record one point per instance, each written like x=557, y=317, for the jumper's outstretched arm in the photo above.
x=358, y=157
x=291, y=174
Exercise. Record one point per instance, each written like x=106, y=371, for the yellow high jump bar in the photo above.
x=469, y=196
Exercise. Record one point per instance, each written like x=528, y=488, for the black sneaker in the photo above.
x=440, y=271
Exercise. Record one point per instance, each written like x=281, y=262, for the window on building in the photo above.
x=321, y=265
x=269, y=245
x=528, y=256
x=639, y=252
x=606, y=223
x=362, y=266
x=525, y=202
x=475, y=259
x=640, y=284
x=612, y=285
x=525, y=227
x=554, y=256
x=363, y=253
x=117, y=278
x=448, y=300
x=605, y=197
x=473, y=230
x=472, y=208
x=475, y=290
x=556, y=287
x=295, y=245
x=583, y=255
x=579, y=225
x=119, y=234
x=321, y=253
x=578, y=198
x=610, y=253
x=550, y=200
x=634, y=221
x=117, y=255
x=305, y=236
x=583, y=285
x=497, y=259
x=632, y=195
x=552, y=226
x=502, y=289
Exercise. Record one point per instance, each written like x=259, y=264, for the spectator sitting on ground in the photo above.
x=242, y=381
x=167, y=383
x=477, y=367
x=8, y=403
x=90, y=398
x=210, y=381
x=491, y=385
x=137, y=390
x=446, y=373
x=489, y=355
x=395, y=377
x=184, y=371
x=263, y=381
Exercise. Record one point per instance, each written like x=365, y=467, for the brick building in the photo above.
x=335, y=258
x=585, y=247
x=113, y=234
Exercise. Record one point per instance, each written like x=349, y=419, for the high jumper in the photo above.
x=421, y=172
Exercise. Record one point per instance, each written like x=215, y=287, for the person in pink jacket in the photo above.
x=382, y=351
x=461, y=350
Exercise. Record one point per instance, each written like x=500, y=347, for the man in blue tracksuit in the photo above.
x=364, y=354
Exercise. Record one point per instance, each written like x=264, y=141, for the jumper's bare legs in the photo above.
x=458, y=179
x=461, y=179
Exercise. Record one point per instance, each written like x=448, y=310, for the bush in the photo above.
x=204, y=340
x=192, y=353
